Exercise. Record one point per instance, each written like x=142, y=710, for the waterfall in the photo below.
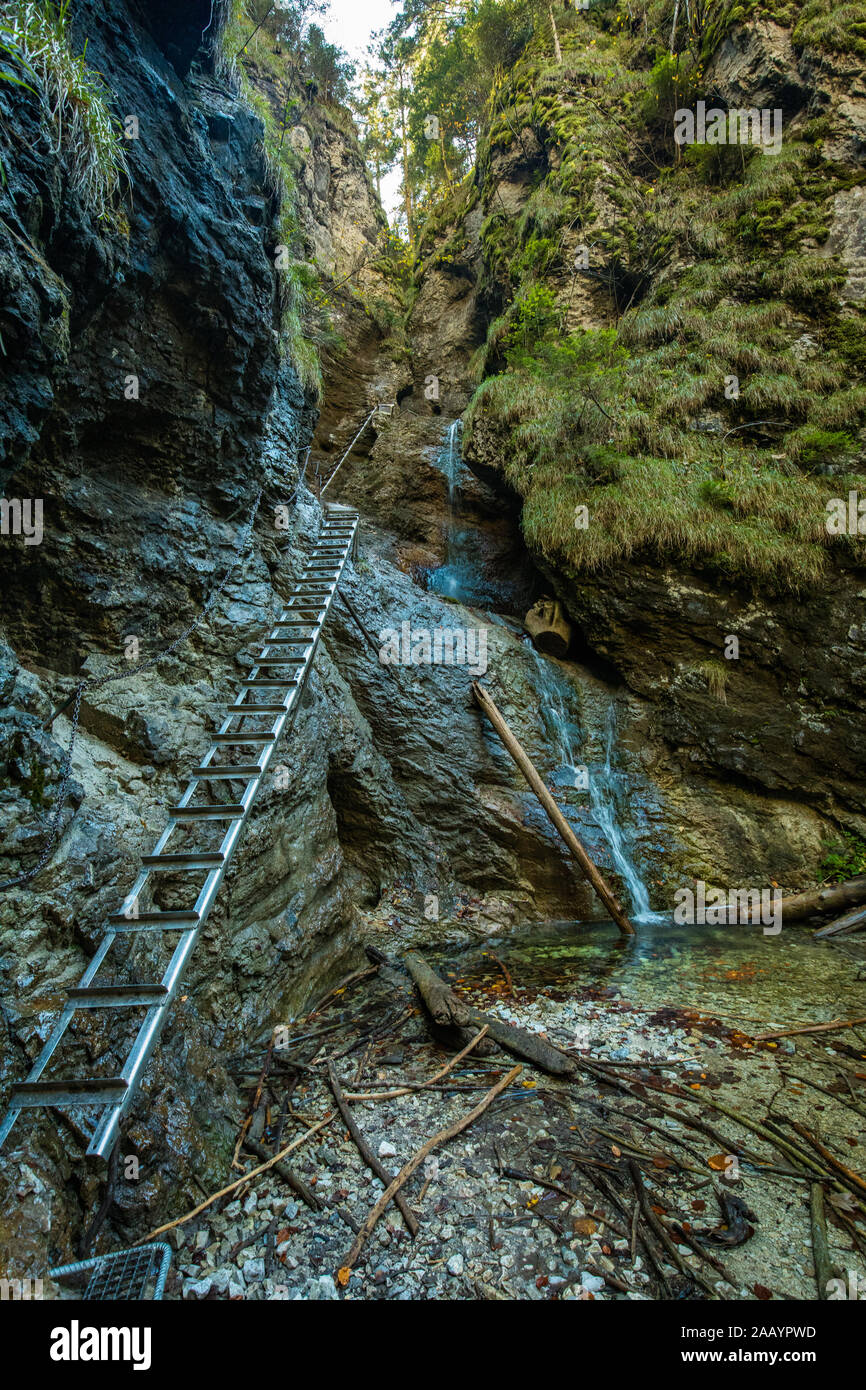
x=603, y=785
x=457, y=578
x=604, y=793
x=452, y=462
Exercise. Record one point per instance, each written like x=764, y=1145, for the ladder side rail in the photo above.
x=154, y=1021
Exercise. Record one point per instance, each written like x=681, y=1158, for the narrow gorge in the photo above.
x=593, y=394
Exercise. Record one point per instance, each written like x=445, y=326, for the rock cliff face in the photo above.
x=758, y=759
x=145, y=401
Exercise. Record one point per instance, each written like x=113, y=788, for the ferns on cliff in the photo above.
x=73, y=97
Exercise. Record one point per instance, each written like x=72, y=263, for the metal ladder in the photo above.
x=269, y=696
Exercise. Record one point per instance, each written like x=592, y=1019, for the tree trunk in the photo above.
x=556, y=48
x=820, y=900
x=407, y=190
x=445, y=1008
x=537, y=784
x=548, y=627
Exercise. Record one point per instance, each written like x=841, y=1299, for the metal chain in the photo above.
x=138, y=669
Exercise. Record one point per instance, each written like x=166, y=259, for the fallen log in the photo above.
x=447, y=1010
x=536, y=782
x=842, y=926
x=548, y=627
x=819, y=901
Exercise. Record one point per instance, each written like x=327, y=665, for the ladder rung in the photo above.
x=118, y=996
x=243, y=772
x=166, y=862
x=96, y=1091
x=284, y=660
x=168, y=920
x=269, y=682
x=299, y=627
x=239, y=738
x=286, y=642
x=139, y=924
x=193, y=813
x=256, y=709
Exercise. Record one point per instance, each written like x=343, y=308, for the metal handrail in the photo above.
x=379, y=409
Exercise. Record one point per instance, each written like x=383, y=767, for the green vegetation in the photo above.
x=723, y=406
x=843, y=860
x=35, y=52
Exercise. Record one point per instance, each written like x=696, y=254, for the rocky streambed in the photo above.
x=537, y=1198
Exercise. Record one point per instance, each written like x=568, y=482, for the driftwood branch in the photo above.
x=366, y=1152
x=289, y=1177
x=446, y=1008
x=538, y=785
x=836, y=1025
x=415, y=1086
x=842, y=926
x=239, y=1182
x=414, y=1163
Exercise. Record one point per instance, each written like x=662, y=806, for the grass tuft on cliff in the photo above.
x=35, y=48
x=670, y=347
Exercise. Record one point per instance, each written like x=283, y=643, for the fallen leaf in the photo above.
x=617, y=1153
x=585, y=1226
x=842, y=1201
x=718, y=1162
x=760, y=1291
x=343, y=1276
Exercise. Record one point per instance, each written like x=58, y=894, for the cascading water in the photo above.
x=457, y=578
x=604, y=784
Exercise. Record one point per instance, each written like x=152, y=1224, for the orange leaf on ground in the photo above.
x=585, y=1226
